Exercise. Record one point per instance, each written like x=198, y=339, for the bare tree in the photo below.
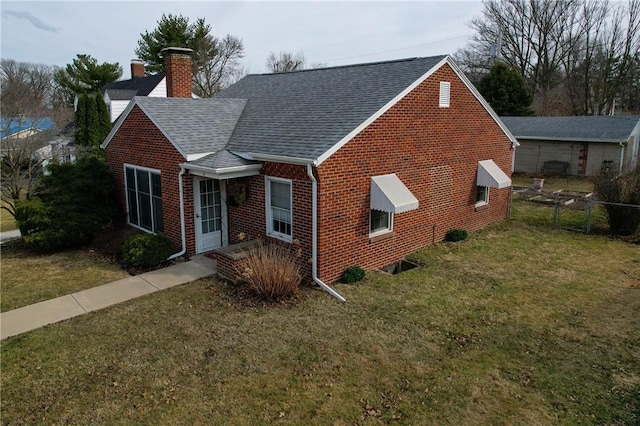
x=216, y=64
x=575, y=55
x=28, y=103
x=285, y=62
x=604, y=58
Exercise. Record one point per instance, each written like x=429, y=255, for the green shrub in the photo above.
x=69, y=206
x=623, y=191
x=271, y=270
x=146, y=250
x=353, y=274
x=454, y=235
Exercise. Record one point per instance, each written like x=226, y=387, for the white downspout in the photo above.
x=182, y=225
x=314, y=244
x=621, y=156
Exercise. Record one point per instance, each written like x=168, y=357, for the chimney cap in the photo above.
x=137, y=61
x=179, y=50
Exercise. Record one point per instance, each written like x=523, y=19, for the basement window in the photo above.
x=445, y=94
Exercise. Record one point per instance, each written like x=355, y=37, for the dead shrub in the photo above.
x=271, y=270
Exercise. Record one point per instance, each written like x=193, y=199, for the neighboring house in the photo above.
x=574, y=145
x=118, y=94
x=23, y=127
x=355, y=165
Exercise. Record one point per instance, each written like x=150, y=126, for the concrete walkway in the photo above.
x=9, y=235
x=38, y=315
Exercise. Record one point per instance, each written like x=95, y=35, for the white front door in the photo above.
x=210, y=214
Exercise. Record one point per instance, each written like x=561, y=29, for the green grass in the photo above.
x=7, y=222
x=30, y=278
x=554, y=183
x=516, y=325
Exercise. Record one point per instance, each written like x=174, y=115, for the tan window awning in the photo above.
x=389, y=194
x=489, y=174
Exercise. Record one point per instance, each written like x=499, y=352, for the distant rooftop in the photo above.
x=598, y=128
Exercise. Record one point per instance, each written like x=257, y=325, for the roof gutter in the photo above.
x=182, y=224
x=314, y=227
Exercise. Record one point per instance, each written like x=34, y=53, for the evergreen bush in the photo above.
x=454, y=235
x=69, y=206
x=146, y=250
x=353, y=274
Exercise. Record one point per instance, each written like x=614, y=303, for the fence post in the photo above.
x=589, y=207
x=556, y=212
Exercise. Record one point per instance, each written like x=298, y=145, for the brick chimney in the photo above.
x=137, y=68
x=177, y=68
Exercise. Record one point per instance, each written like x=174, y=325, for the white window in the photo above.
x=144, y=198
x=445, y=94
x=482, y=195
x=380, y=222
x=279, y=202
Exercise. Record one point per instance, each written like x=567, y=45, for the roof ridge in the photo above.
x=361, y=64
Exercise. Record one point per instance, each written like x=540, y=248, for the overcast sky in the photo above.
x=334, y=33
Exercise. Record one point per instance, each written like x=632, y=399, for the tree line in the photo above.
x=577, y=57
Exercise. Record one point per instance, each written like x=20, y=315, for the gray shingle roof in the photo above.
x=605, y=128
x=143, y=86
x=195, y=125
x=304, y=113
x=121, y=94
x=222, y=160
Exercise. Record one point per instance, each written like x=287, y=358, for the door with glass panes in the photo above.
x=209, y=214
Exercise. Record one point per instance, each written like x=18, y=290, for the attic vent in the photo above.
x=445, y=94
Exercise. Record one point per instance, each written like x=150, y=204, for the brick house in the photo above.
x=359, y=165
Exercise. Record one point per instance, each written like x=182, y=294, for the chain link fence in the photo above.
x=573, y=210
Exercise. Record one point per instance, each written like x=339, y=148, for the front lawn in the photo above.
x=29, y=278
x=517, y=325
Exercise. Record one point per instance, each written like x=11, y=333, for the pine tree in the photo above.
x=506, y=91
x=81, y=120
x=93, y=124
x=104, y=123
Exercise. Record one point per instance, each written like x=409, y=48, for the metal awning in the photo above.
x=389, y=194
x=489, y=174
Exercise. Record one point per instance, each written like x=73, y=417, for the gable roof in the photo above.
x=303, y=114
x=141, y=86
x=298, y=117
x=599, y=128
x=196, y=127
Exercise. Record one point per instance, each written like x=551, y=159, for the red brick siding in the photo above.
x=177, y=67
x=249, y=218
x=138, y=142
x=435, y=152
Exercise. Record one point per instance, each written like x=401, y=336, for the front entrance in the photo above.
x=210, y=214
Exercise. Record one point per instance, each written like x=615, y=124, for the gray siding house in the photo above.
x=575, y=146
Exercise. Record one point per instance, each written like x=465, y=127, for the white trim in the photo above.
x=267, y=204
x=154, y=226
x=378, y=113
x=194, y=157
x=274, y=158
x=554, y=139
x=383, y=231
x=485, y=104
x=482, y=202
x=126, y=113
x=226, y=173
x=224, y=228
